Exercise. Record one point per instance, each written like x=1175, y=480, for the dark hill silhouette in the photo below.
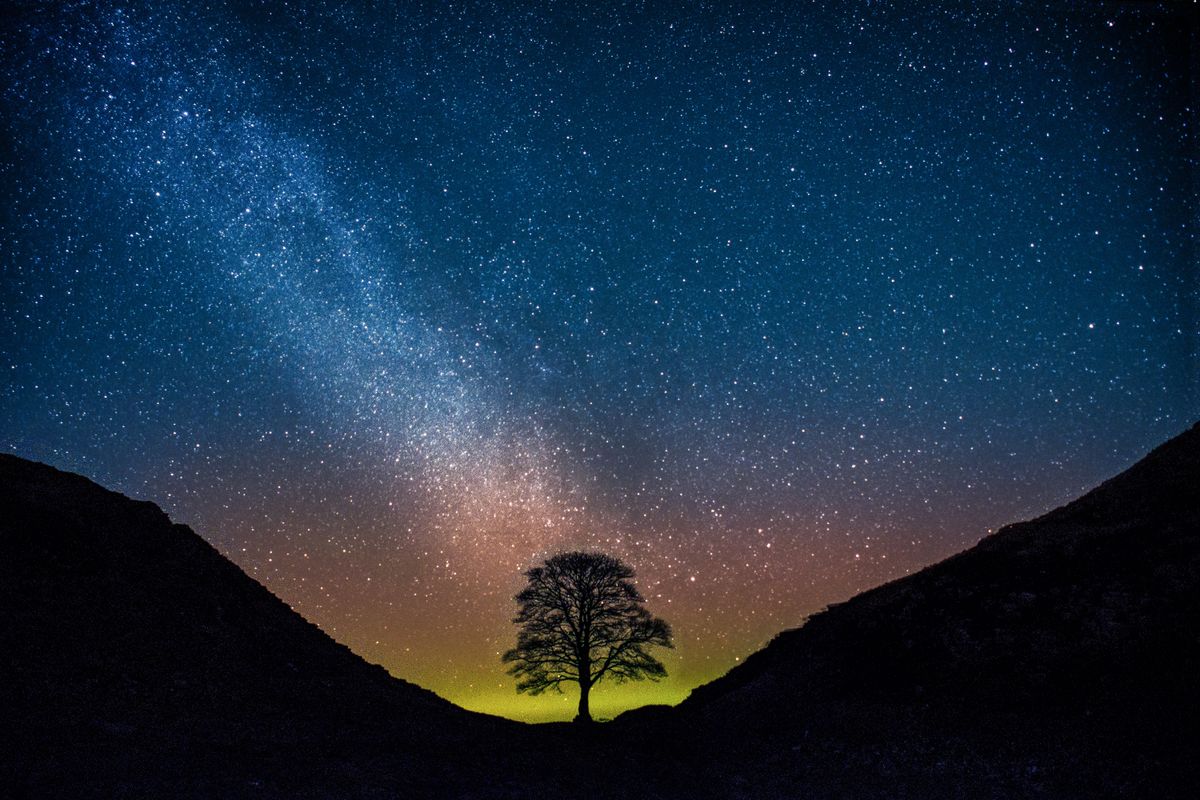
x=138, y=659
x=1057, y=658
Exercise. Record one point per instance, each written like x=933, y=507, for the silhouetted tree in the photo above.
x=582, y=620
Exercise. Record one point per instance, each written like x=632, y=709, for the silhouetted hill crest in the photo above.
x=144, y=594
x=1022, y=617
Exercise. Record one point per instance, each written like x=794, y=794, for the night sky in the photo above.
x=776, y=303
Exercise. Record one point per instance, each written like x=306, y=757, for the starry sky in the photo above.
x=775, y=302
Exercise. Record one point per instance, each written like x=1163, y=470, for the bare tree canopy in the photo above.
x=582, y=620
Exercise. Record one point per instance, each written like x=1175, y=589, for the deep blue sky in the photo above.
x=774, y=302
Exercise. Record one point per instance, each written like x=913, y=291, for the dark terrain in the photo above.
x=1058, y=658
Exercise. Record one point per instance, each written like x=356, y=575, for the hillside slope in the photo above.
x=136, y=656
x=1059, y=657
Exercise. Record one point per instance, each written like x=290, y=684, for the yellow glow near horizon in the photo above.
x=606, y=702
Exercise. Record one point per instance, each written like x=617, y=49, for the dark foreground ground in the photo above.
x=1058, y=658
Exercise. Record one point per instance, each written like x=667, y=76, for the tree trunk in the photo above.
x=584, y=715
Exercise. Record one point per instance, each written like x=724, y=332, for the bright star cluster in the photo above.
x=774, y=301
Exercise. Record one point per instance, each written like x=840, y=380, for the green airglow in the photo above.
x=606, y=701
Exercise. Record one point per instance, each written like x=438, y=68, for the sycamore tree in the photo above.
x=582, y=620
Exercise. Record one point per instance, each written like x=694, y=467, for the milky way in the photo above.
x=776, y=303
